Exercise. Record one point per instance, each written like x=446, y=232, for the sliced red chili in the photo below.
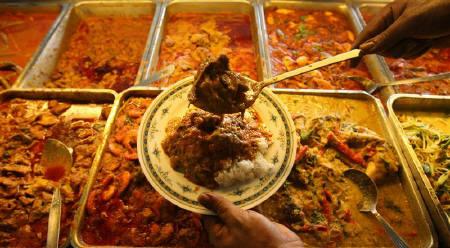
x=345, y=150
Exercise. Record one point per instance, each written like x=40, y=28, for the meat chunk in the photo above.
x=57, y=107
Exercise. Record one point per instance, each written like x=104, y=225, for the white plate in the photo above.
x=171, y=184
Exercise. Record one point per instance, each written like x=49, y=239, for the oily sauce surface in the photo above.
x=298, y=37
x=21, y=32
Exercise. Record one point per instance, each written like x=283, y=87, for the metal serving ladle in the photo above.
x=259, y=86
x=371, y=86
x=254, y=88
x=56, y=160
x=370, y=197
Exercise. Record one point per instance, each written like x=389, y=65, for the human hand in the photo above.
x=406, y=28
x=234, y=227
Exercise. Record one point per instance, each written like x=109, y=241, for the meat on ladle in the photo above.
x=219, y=90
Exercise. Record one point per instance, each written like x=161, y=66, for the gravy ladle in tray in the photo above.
x=56, y=160
x=369, y=203
x=220, y=91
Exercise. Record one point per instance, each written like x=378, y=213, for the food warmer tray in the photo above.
x=74, y=96
x=46, y=60
x=377, y=120
x=32, y=6
x=411, y=103
x=426, y=232
x=348, y=9
x=168, y=7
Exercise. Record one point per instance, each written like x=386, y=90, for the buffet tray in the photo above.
x=437, y=104
x=73, y=96
x=46, y=61
x=204, y=6
x=348, y=9
x=368, y=111
x=62, y=8
x=151, y=92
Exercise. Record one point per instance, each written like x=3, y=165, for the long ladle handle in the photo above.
x=311, y=67
x=54, y=220
x=439, y=76
x=396, y=239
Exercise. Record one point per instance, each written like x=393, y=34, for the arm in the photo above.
x=234, y=227
x=407, y=28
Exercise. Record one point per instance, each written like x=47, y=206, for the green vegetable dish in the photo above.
x=431, y=143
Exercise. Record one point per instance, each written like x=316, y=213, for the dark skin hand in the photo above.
x=234, y=227
x=406, y=29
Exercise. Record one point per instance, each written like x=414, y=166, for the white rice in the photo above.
x=246, y=170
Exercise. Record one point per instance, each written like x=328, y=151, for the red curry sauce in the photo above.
x=298, y=37
x=191, y=38
x=20, y=35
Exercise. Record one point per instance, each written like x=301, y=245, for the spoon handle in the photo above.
x=311, y=67
x=440, y=76
x=396, y=239
x=54, y=220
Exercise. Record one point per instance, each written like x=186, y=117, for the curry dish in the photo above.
x=204, y=146
x=123, y=208
x=103, y=53
x=189, y=39
x=25, y=195
x=317, y=201
x=429, y=136
x=432, y=62
x=20, y=35
x=299, y=37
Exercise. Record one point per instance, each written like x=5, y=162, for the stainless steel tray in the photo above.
x=343, y=7
x=364, y=109
x=411, y=103
x=151, y=92
x=206, y=6
x=73, y=96
x=46, y=61
x=62, y=8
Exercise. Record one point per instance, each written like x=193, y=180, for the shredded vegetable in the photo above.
x=432, y=148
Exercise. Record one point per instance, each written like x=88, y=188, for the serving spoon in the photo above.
x=158, y=75
x=247, y=95
x=56, y=160
x=371, y=86
x=369, y=204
